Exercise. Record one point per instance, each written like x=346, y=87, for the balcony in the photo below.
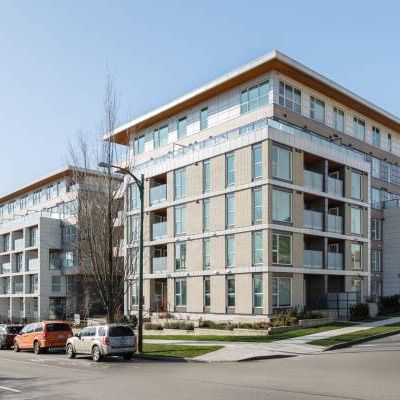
x=159, y=230
x=335, y=186
x=335, y=223
x=32, y=264
x=313, y=259
x=5, y=268
x=158, y=194
x=159, y=265
x=335, y=260
x=18, y=287
x=313, y=219
x=313, y=180
x=19, y=244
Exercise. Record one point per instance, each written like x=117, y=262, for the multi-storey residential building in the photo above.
x=264, y=190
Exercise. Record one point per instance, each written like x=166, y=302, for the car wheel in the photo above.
x=96, y=354
x=16, y=347
x=127, y=356
x=71, y=353
x=36, y=347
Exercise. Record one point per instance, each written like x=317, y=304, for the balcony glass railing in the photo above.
x=335, y=260
x=313, y=219
x=32, y=264
x=18, y=287
x=5, y=268
x=313, y=259
x=313, y=180
x=19, y=244
x=159, y=230
x=335, y=223
x=158, y=194
x=159, y=264
x=335, y=186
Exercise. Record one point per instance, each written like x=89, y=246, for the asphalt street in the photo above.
x=368, y=372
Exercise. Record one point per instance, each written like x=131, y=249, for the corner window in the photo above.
x=257, y=291
x=257, y=165
x=257, y=205
x=254, y=97
x=376, y=257
x=356, y=185
x=356, y=221
x=281, y=163
x=289, y=97
x=281, y=249
x=257, y=244
x=281, y=206
x=376, y=229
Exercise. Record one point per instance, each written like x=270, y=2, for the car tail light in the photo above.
x=106, y=341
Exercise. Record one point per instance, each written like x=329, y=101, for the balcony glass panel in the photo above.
x=159, y=230
x=18, y=287
x=159, y=264
x=19, y=244
x=32, y=264
x=313, y=180
x=5, y=268
x=158, y=194
x=335, y=260
x=335, y=223
x=313, y=219
x=313, y=259
x=335, y=186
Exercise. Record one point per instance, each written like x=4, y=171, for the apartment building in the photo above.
x=264, y=190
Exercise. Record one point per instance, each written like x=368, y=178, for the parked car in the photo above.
x=102, y=341
x=7, y=335
x=42, y=336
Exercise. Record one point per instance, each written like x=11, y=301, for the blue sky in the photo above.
x=54, y=57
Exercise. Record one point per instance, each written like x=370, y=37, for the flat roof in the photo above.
x=275, y=60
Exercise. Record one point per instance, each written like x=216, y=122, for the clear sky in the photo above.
x=54, y=57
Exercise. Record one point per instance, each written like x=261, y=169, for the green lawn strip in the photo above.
x=348, y=337
x=257, y=339
x=177, y=351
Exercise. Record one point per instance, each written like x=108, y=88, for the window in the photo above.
x=204, y=118
x=18, y=262
x=257, y=248
x=160, y=136
x=359, y=128
x=230, y=291
x=257, y=169
x=376, y=229
x=180, y=293
x=257, y=205
x=376, y=137
x=135, y=293
x=23, y=202
x=133, y=197
x=133, y=228
x=281, y=292
x=71, y=283
x=230, y=210
x=138, y=144
x=182, y=127
x=32, y=236
x=375, y=167
x=338, y=119
x=206, y=214
x=6, y=242
x=206, y=253
x=289, y=97
x=36, y=197
x=317, y=109
x=281, y=163
x=389, y=142
x=180, y=256
x=206, y=175
x=356, y=185
x=376, y=257
x=281, y=249
x=207, y=292
x=355, y=256
x=356, y=220
x=376, y=199
x=281, y=206
x=230, y=169
x=257, y=291
x=230, y=251
x=56, y=283
x=254, y=97
x=180, y=183
x=180, y=220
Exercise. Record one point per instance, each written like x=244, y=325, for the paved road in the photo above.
x=365, y=372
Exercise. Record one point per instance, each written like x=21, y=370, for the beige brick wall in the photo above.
x=243, y=294
x=243, y=253
x=243, y=165
x=195, y=294
x=218, y=294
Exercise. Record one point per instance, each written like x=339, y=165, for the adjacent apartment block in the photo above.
x=264, y=190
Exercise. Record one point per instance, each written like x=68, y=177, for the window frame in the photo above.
x=277, y=250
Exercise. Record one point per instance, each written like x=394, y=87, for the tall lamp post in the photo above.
x=140, y=185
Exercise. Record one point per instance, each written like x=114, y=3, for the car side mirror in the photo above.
x=77, y=335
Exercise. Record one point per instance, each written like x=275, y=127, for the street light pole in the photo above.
x=140, y=186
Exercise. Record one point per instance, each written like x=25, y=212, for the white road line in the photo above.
x=9, y=389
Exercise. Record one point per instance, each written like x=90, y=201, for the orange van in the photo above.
x=42, y=336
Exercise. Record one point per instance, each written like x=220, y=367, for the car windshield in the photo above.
x=14, y=329
x=116, y=331
x=58, y=328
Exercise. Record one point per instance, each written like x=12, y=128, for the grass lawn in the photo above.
x=356, y=335
x=260, y=339
x=166, y=350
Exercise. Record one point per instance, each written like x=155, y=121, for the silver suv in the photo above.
x=101, y=341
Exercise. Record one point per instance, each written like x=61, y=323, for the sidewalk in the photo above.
x=240, y=351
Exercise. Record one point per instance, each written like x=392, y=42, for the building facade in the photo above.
x=264, y=190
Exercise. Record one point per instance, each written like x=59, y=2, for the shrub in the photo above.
x=389, y=304
x=359, y=312
x=308, y=313
x=285, y=318
x=188, y=326
x=148, y=326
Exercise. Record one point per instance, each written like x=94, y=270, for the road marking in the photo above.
x=10, y=389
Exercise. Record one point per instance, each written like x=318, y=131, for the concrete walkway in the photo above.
x=238, y=351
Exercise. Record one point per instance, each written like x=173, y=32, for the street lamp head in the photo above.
x=104, y=165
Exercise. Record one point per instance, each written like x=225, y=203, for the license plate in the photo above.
x=61, y=336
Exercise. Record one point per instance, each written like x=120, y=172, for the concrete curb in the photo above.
x=167, y=359
x=362, y=340
x=271, y=357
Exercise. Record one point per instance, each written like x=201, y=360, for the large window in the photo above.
x=281, y=249
x=230, y=169
x=254, y=97
x=180, y=220
x=182, y=127
x=257, y=291
x=133, y=197
x=180, y=183
x=359, y=128
x=375, y=167
x=257, y=244
x=376, y=136
x=356, y=220
x=338, y=119
x=180, y=256
x=204, y=118
x=355, y=255
x=281, y=206
x=257, y=205
x=207, y=292
x=289, y=97
x=376, y=199
x=230, y=210
x=160, y=136
x=281, y=163
x=180, y=293
x=56, y=283
x=257, y=167
x=356, y=185
x=206, y=214
x=33, y=236
x=206, y=175
x=133, y=228
x=206, y=253
x=376, y=257
x=317, y=109
x=135, y=293
x=230, y=251
x=281, y=292
x=138, y=144
x=376, y=229
x=230, y=291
